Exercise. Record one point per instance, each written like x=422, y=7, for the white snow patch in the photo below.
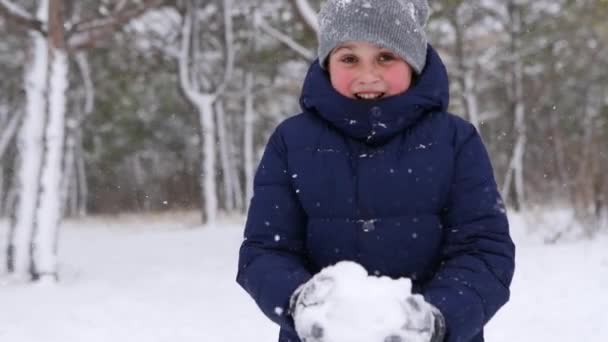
x=157, y=279
x=344, y=3
x=412, y=11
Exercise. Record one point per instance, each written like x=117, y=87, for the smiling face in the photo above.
x=360, y=70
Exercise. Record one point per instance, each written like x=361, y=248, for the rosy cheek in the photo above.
x=341, y=81
x=398, y=81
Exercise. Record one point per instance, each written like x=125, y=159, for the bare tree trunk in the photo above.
x=49, y=215
x=139, y=176
x=237, y=188
x=69, y=165
x=205, y=108
x=192, y=82
x=89, y=103
x=470, y=96
x=515, y=169
x=74, y=186
x=3, y=229
x=516, y=166
x=589, y=172
x=83, y=189
x=466, y=70
x=30, y=146
x=560, y=160
x=3, y=118
x=2, y=194
x=224, y=142
x=248, y=137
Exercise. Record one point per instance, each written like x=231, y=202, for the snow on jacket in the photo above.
x=398, y=185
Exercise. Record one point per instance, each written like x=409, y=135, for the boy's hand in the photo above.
x=313, y=292
x=423, y=319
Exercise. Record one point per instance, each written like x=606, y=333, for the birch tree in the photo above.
x=248, y=148
x=463, y=19
x=75, y=189
x=30, y=141
x=226, y=161
x=202, y=91
x=32, y=250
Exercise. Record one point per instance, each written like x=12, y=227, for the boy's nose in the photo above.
x=369, y=74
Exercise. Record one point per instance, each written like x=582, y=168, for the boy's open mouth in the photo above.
x=369, y=96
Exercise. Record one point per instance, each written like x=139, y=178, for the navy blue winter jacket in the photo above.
x=398, y=185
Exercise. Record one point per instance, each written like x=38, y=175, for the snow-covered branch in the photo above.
x=88, y=32
x=229, y=37
x=308, y=13
x=85, y=71
x=16, y=13
x=283, y=38
x=15, y=10
x=184, y=64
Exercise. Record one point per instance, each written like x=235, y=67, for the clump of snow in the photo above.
x=412, y=11
x=344, y=2
x=349, y=305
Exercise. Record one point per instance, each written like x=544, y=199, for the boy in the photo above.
x=376, y=171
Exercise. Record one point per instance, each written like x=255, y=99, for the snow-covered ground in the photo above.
x=164, y=278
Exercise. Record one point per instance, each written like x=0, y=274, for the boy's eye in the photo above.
x=386, y=57
x=348, y=59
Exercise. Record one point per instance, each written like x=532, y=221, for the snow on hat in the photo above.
x=397, y=25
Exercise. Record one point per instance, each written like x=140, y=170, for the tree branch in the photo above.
x=283, y=38
x=185, y=72
x=308, y=14
x=86, y=33
x=229, y=41
x=20, y=16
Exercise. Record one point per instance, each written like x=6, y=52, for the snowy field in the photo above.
x=164, y=279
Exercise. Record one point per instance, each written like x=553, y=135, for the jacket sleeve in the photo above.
x=271, y=260
x=477, y=255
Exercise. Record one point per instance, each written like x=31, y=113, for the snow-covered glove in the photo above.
x=312, y=293
x=422, y=320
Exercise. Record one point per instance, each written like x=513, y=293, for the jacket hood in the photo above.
x=375, y=122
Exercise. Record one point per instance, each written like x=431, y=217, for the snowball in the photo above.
x=351, y=306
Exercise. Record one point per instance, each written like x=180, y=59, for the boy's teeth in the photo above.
x=368, y=96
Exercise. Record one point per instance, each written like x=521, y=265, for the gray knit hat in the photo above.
x=397, y=25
